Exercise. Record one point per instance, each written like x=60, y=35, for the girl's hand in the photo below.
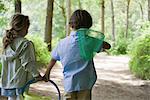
x=39, y=78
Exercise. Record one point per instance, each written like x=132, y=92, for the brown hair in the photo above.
x=18, y=23
x=80, y=19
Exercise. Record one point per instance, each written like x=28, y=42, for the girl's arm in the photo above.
x=27, y=58
x=50, y=66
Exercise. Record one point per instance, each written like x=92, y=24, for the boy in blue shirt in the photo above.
x=79, y=74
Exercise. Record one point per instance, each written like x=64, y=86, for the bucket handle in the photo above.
x=34, y=81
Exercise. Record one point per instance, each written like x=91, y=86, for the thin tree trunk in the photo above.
x=80, y=6
x=142, y=13
x=149, y=10
x=62, y=9
x=68, y=6
x=48, y=27
x=127, y=19
x=17, y=6
x=113, y=21
x=102, y=16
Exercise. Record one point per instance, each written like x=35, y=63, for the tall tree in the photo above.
x=48, y=27
x=18, y=6
x=80, y=6
x=127, y=18
x=113, y=20
x=3, y=9
x=102, y=16
x=149, y=10
x=62, y=7
x=68, y=8
x=141, y=8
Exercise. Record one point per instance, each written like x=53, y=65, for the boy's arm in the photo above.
x=50, y=66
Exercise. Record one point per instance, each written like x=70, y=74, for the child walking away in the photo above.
x=18, y=58
x=79, y=71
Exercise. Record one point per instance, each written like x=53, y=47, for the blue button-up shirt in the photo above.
x=79, y=74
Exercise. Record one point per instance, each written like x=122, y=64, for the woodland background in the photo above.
x=125, y=23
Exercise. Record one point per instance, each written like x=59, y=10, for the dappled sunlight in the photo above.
x=125, y=25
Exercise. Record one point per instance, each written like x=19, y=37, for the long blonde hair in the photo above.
x=18, y=22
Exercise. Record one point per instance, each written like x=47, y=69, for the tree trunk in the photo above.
x=127, y=18
x=148, y=10
x=142, y=13
x=80, y=6
x=17, y=6
x=63, y=10
x=68, y=7
x=102, y=16
x=113, y=21
x=48, y=27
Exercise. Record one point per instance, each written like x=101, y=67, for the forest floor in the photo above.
x=114, y=81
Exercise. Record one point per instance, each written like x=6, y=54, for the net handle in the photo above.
x=34, y=81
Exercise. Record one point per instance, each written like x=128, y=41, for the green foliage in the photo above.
x=2, y=7
x=120, y=47
x=42, y=53
x=140, y=57
x=3, y=21
x=0, y=67
x=143, y=28
x=1, y=46
x=37, y=15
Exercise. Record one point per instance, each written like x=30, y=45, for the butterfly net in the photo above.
x=89, y=42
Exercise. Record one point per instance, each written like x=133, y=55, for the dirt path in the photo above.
x=114, y=81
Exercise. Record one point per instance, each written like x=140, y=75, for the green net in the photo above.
x=89, y=42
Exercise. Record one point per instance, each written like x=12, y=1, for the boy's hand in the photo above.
x=47, y=73
x=46, y=77
x=106, y=45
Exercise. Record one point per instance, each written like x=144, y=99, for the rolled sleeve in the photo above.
x=28, y=59
x=55, y=53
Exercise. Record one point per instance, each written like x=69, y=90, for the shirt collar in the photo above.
x=73, y=33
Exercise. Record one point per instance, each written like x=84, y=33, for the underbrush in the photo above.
x=140, y=57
